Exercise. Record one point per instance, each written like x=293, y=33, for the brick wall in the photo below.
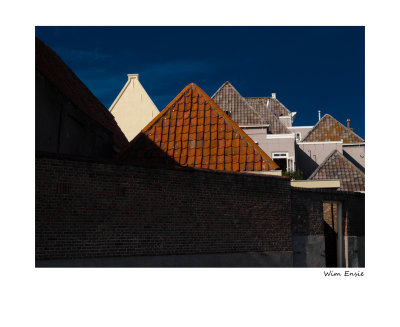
x=314, y=226
x=330, y=215
x=307, y=212
x=95, y=209
x=354, y=215
x=312, y=207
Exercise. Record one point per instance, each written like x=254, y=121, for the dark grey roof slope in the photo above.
x=247, y=111
x=337, y=166
x=275, y=126
x=241, y=112
x=330, y=129
x=50, y=65
x=273, y=104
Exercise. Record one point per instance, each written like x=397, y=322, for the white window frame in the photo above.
x=280, y=155
x=290, y=167
x=284, y=155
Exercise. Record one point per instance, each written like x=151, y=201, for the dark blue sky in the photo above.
x=309, y=68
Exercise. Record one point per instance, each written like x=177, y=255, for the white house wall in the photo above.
x=286, y=143
x=311, y=154
x=133, y=109
x=356, y=152
x=303, y=130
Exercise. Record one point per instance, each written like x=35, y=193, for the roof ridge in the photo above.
x=271, y=98
x=354, y=166
x=251, y=107
x=282, y=104
x=89, y=105
x=79, y=80
x=274, y=116
x=334, y=152
x=119, y=96
x=165, y=110
x=237, y=127
x=227, y=83
x=322, y=164
x=324, y=117
x=315, y=126
x=271, y=164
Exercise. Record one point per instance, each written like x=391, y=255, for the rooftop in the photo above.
x=328, y=129
x=277, y=108
x=336, y=166
x=194, y=131
x=275, y=126
x=50, y=65
x=230, y=100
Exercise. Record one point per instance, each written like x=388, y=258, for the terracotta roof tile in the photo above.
x=50, y=65
x=214, y=143
x=336, y=166
x=329, y=129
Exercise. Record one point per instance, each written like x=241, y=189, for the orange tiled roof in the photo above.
x=50, y=65
x=329, y=129
x=337, y=166
x=194, y=131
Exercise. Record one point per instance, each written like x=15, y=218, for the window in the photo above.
x=280, y=155
x=62, y=188
x=298, y=136
x=281, y=159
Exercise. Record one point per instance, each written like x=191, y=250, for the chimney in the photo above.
x=273, y=95
x=319, y=115
x=133, y=76
x=348, y=123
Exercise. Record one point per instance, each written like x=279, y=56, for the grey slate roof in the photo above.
x=241, y=112
x=276, y=127
x=274, y=105
x=330, y=129
x=247, y=111
x=336, y=166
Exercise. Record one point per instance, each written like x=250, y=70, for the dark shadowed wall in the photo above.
x=91, y=209
x=91, y=213
x=60, y=127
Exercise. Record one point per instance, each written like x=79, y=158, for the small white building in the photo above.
x=133, y=109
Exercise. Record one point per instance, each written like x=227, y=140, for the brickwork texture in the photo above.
x=92, y=209
x=311, y=209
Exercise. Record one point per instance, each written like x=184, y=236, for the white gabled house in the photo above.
x=133, y=109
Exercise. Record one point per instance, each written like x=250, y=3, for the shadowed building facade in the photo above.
x=69, y=119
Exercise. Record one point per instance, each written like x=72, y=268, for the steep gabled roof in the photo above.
x=275, y=126
x=50, y=65
x=277, y=108
x=194, y=131
x=329, y=129
x=337, y=166
x=133, y=109
x=241, y=112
